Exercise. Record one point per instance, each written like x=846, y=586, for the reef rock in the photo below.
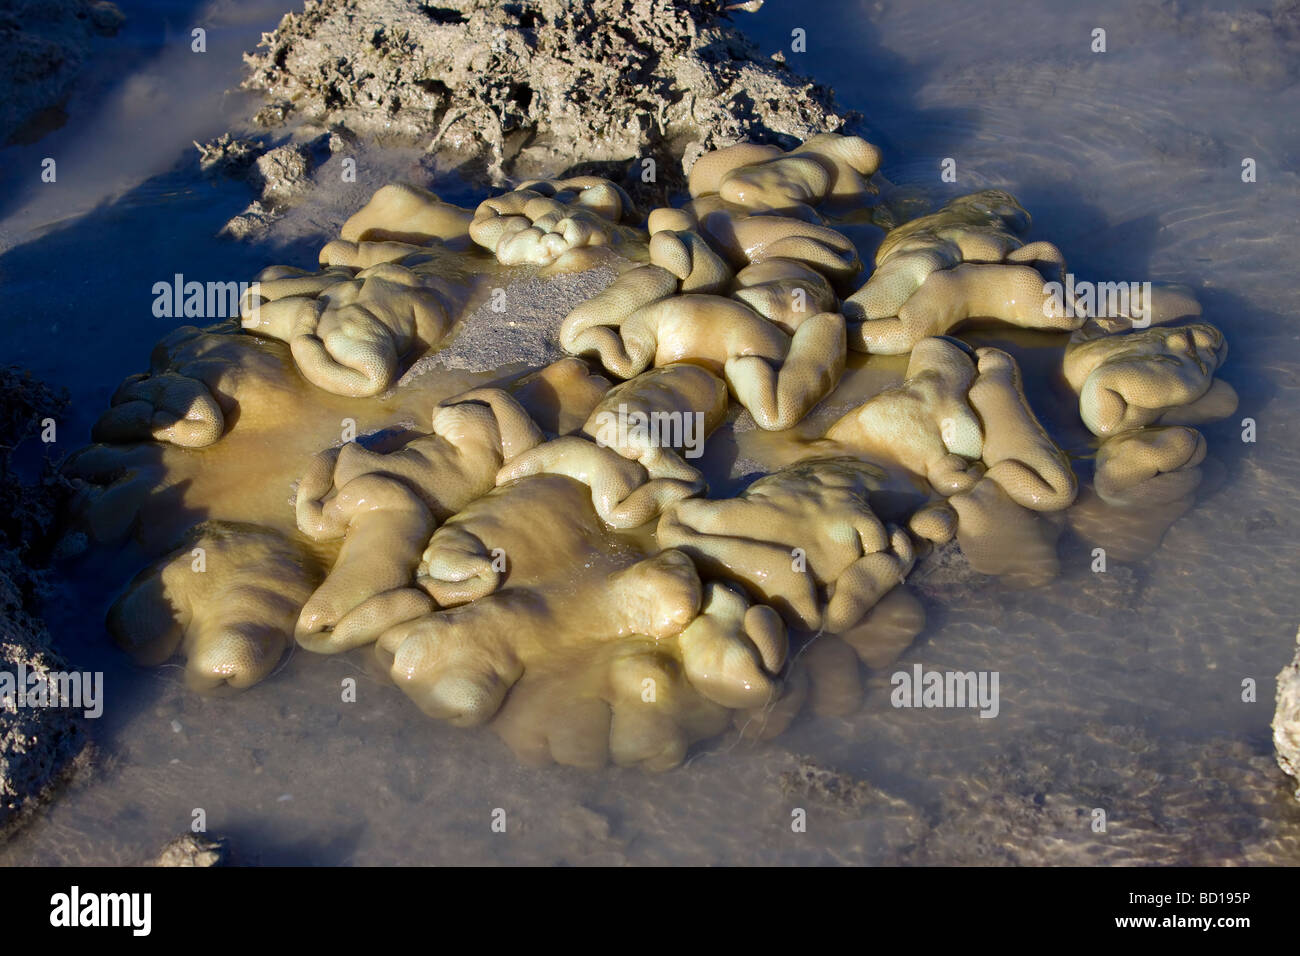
x=192, y=850
x=533, y=87
x=1286, y=721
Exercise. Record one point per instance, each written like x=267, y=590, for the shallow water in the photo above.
x=1119, y=691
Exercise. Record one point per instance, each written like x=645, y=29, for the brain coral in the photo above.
x=566, y=552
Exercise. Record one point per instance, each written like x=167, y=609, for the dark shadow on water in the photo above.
x=91, y=281
x=251, y=845
x=151, y=28
x=869, y=78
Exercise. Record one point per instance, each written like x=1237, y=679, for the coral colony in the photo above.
x=545, y=549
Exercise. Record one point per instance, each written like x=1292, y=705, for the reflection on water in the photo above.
x=1120, y=691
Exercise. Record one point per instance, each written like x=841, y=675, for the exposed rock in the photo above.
x=43, y=45
x=835, y=789
x=39, y=746
x=228, y=155
x=192, y=849
x=1286, y=721
x=540, y=86
x=282, y=172
x=944, y=575
x=280, y=175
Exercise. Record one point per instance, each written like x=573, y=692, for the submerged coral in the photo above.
x=548, y=548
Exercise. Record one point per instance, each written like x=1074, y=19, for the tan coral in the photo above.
x=803, y=540
x=621, y=491
x=1003, y=538
x=1143, y=305
x=1149, y=466
x=111, y=484
x=851, y=161
x=130, y=485
x=165, y=407
x=778, y=393
x=352, y=335
x=680, y=261
x=828, y=165
x=963, y=262
x=733, y=649
x=383, y=524
x=1017, y=451
x=978, y=227
x=600, y=195
x=660, y=418
x=686, y=255
x=225, y=600
x=784, y=292
x=744, y=239
x=778, y=184
x=458, y=662
x=888, y=629
x=707, y=174
x=926, y=424
x=1145, y=480
x=385, y=506
x=362, y=255
x=400, y=212
x=283, y=282
x=1140, y=378
x=953, y=421
x=275, y=423
x=592, y=327
x=561, y=396
x=581, y=632
x=542, y=220
x=637, y=322
x=834, y=681
x=506, y=565
x=184, y=399
x=609, y=716
x=772, y=719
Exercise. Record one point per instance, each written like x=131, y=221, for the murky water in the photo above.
x=1120, y=692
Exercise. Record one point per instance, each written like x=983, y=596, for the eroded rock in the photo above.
x=533, y=88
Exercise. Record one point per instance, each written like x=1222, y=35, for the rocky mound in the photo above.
x=539, y=86
x=38, y=745
x=43, y=44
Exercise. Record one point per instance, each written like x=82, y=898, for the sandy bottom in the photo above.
x=1119, y=691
